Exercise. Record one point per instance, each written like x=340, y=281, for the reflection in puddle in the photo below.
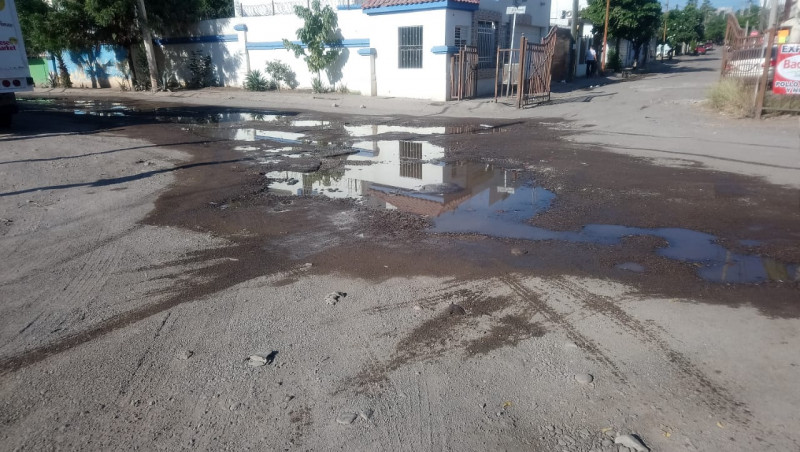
x=369, y=130
x=470, y=198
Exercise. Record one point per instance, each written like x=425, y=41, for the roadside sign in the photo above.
x=787, y=70
x=515, y=10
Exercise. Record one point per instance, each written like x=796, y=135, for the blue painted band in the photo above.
x=276, y=45
x=348, y=7
x=366, y=52
x=196, y=40
x=240, y=27
x=442, y=4
x=444, y=50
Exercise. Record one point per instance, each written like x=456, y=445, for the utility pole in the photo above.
x=605, y=39
x=666, y=17
x=574, y=49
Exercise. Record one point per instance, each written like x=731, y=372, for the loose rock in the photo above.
x=584, y=379
x=366, y=414
x=334, y=297
x=455, y=309
x=606, y=442
x=631, y=442
x=184, y=354
x=518, y=251
x=346, y=418
x=256, y=361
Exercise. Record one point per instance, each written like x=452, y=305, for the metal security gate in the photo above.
x=531, y=67
x=535, y=62
x=464, y=73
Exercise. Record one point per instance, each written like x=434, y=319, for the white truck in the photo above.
x=15, y=75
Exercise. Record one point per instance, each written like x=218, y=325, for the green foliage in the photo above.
x=77, y=24
x=749, y=17
x=634, y=20
x=318, y=87
x=686, y=25
x=282, y=73
x=614, y=61
x=319, y=35
x=715, y=26
x=202, y=71
x=255, y=81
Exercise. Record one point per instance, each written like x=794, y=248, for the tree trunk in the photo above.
x=132, y=67
x=147, y=36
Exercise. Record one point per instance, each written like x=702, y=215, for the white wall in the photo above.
x=429, y=82
x=232, y=49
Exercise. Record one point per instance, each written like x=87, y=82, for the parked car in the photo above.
x=664, y=51
x=709, y=45
x=700, y=49
x=748, y=64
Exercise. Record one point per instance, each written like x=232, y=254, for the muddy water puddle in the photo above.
x=401, y=167
x=478, y=198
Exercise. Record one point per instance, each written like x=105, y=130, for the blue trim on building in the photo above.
x=348, y=7
x=196, y=40
x=276, y=45
x=444, y=50
x=441, y=4
x=240, y=27
x=367, y=52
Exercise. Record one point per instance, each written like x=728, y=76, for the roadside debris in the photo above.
x=184, y=354
x=631, y=442
x=334, y=297
x=366, y=414
x=258, y=360
x=518, y=251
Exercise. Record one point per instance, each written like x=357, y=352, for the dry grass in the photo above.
x=732, y=97
x=781, y=104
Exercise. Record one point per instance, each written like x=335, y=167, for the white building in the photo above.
x=398, y=48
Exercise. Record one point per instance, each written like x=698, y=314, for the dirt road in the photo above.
x=459, y=276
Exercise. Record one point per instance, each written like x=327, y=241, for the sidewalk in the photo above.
x=483, y=107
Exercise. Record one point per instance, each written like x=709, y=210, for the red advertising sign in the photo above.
x=787, y=70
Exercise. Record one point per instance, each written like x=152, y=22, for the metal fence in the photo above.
x=743, y=57
x=284, y=7
x=464, y=73
x=526, y=74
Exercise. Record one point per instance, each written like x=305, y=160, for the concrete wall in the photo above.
x=369, y=60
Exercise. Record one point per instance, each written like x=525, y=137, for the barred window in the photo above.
x=411, y=159
x=409, y=47
x=487, y=47
x=461, y=36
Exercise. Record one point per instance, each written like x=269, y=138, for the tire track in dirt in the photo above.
x=716, y=397
x=432, y=338
x=561, y=321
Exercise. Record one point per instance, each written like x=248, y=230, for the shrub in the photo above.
x=282, y=73
x=255, y=81
x=202, y=71
x=732, y=97
x=614, y=61
x=318, y=87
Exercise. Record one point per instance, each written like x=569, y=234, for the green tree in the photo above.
x=634, y=20
x=715, y=28
x=319, y=36
x=77, y=24
x=749, y=18
x=685, y=26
